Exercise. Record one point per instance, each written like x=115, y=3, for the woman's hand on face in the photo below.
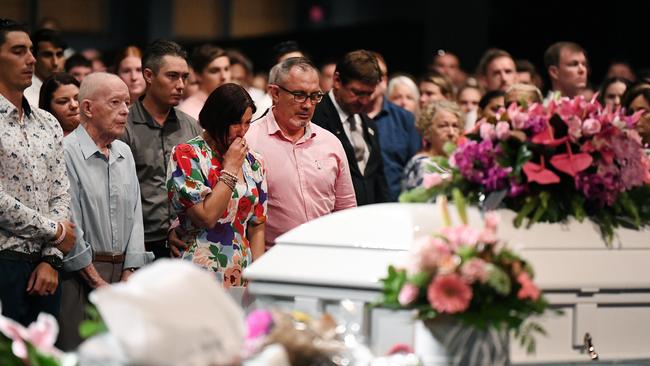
x=234, y=157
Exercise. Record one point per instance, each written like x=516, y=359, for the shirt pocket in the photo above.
x=327, y=170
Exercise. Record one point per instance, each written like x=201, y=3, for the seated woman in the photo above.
x=58, y=96
x=217, y=186
x=439, y=122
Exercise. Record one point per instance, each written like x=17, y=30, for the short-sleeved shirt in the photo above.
x=151, y=145
x=194, y=169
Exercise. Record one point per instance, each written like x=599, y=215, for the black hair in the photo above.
x=9, y=25
x=485, y=99
x=50, y=85
x=153, y=55
x=224, y=107
x=77, y=60
x=47, y=35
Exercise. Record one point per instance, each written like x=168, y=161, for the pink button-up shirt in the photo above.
x=306, y=180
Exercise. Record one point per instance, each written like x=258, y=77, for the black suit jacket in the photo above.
x=370, y=187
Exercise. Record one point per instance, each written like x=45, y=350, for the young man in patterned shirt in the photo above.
x=34, y=201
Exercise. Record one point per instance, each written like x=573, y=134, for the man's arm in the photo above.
x=135, y=255
x=344, y=190
x=59, y=197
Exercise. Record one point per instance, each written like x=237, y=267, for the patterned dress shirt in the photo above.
x=33, y=183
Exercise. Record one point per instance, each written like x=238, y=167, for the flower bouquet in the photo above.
x=31, y=346
x=571, y=158
x=466, y=274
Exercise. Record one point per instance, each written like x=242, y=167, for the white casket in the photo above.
x=603, y=292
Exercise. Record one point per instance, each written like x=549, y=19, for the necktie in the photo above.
x=358, y=143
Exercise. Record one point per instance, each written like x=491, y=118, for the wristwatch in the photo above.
x=54, y=261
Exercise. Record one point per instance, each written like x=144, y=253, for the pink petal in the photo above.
x=571, y=165
x=536, y=173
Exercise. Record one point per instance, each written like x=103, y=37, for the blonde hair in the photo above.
x=530, y=93
x=424, y=121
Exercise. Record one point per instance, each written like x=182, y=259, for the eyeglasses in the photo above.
x=301, y=97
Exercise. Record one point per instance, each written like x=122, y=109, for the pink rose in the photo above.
x=431, y=180
x=408, y=294
x=575, y=127
x=591, y=127
x=474, y=270
x=503, y=130
x=519, y=121
x=427, y=254
x=487, y=131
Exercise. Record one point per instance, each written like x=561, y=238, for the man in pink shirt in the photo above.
x=307, y=169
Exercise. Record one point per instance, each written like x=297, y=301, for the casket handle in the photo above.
x=589, y=346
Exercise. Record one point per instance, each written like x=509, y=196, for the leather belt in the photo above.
x=108, y=257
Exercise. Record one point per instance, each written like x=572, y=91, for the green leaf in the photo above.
x=214, y=250
x=223, y=260
x=541, y=209
x=461, y=206
x=89, y=328
x=420, y=279
x=529, y=206
x=418, y=194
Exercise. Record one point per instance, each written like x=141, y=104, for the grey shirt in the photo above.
x=105, y=202
x=151, y=145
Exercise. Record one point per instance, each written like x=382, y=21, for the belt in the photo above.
x=108, y=257
x=20, y=256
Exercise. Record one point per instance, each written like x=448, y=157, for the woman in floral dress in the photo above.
x=217, y=186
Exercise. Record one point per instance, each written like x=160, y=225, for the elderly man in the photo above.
x=105, y=200
x=307, y=169
x=34, y=200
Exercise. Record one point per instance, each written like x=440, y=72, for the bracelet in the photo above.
x=229, y=174
x=61, y=237
x=228, y=181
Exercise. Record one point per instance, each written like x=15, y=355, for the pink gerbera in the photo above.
x=449, y=294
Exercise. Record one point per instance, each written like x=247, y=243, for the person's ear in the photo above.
x=336, y=81
x=148, y=75
x=274, y=92
x=554, y=72
x=85, y=108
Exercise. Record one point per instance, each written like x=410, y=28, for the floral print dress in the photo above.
x=224, y=249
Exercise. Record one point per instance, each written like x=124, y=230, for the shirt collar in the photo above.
x=274, y=129
x=140, y=115
x=7, y=106
x=342, y=114
x=90, y=149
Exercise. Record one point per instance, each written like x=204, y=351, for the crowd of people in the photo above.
x=199, y=158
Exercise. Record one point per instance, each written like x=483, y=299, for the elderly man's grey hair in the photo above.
x=95, y=83
x=280, y=71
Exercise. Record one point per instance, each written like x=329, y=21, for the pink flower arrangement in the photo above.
x=461, y=271
x=570, y=158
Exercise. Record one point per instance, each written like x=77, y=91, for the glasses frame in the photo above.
x=301, y=97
